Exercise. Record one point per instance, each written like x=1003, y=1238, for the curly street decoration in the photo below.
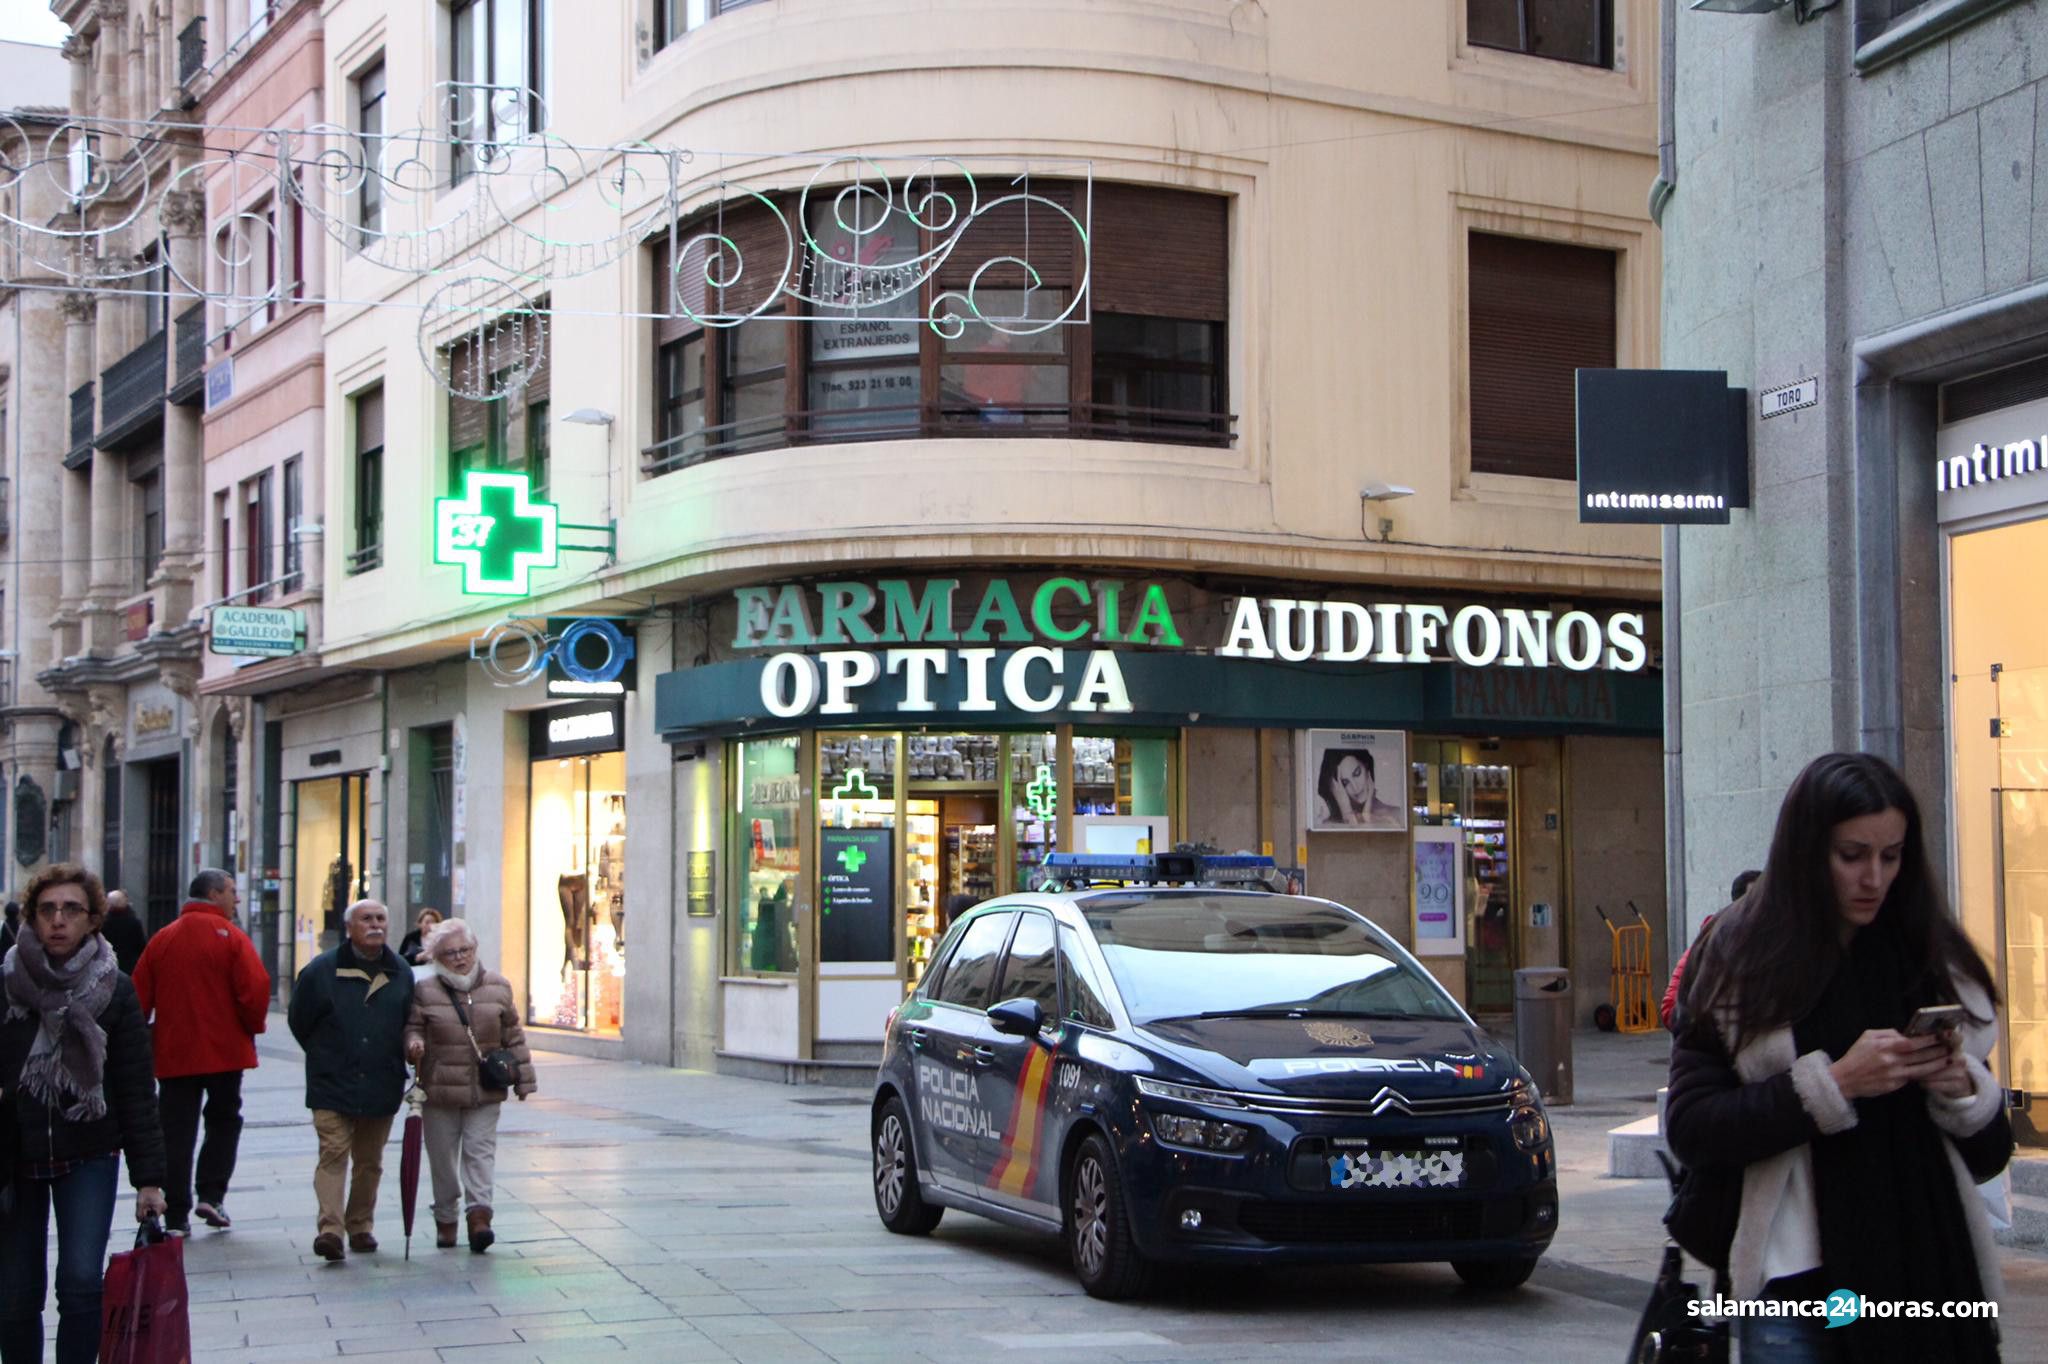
x=485, y=210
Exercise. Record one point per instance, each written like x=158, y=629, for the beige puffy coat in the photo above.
x=448, y=1070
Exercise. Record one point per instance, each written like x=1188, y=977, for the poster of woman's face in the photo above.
x=1357, y=780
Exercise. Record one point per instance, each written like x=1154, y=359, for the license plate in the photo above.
x=1397, y=1167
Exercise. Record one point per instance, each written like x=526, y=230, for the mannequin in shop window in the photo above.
x=574, y=890
x=773, y=945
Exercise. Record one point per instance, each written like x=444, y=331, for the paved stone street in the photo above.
x=670, y=1215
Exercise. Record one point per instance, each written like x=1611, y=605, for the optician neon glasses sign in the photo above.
x=499, y=534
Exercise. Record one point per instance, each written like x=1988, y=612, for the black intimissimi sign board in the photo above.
x=1661, y=446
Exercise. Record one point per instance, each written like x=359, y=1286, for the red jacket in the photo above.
x=201, y=978
x=1669, y=1013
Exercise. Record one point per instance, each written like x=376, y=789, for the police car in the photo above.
x=1175, y=1068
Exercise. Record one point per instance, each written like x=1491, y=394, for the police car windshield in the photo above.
x=1186, y=955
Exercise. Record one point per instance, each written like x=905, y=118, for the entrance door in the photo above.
x=1998, y=730
x=2022, y=856
x=161, y=890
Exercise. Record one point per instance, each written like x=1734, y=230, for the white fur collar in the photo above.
x=463, y=983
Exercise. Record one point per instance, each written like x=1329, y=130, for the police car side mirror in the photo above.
x=1017, y=1017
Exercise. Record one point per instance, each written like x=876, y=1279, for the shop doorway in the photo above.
x=1998, y=725
x=161, y=864
x=331, y=856
x=576, y=949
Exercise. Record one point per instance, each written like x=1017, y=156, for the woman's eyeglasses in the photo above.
x=59, y=911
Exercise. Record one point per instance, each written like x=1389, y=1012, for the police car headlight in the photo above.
x=1205, y=1134
x=1188, y=1094
x=1529, y=1128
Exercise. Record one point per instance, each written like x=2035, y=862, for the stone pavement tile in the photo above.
x=531, y=1354
x=690, y=1308
x=648, y=1309
x=754, y=1350
x=297, y=1352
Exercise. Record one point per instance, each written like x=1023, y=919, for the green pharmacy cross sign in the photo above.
x=852, y=858
x=499, y=534
x=856, y=787
x=1043, y=794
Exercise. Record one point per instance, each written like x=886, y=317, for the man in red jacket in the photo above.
x=202, y=980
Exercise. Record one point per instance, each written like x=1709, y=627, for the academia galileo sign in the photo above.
x=1064, y=643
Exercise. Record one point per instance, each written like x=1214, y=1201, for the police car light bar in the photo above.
x=1201, y=869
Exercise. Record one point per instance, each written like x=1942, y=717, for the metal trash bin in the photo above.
x=1543, y=1029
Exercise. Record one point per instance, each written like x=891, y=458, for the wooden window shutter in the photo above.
x=1161, y=253
x=468, y=420
x=689, y=288
x=1538, y=311
x=537, y=383
x=370, y=419
x=1027, y=231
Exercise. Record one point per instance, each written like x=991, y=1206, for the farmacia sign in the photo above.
x=1072, y=630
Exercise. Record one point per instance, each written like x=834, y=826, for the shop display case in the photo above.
x=921, y=885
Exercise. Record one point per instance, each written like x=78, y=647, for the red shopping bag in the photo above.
x=142, y=1303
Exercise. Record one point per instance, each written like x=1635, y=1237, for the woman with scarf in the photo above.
x=76, y=1090
x=1850, y=1147
x=458, y=1014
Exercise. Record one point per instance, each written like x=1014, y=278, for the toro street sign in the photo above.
x=497, y=533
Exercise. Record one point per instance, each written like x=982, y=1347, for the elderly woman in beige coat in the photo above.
x=461, y=1114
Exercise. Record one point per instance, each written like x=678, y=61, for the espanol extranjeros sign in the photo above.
x=1062, y=643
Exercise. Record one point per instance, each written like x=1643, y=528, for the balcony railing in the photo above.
x=364, y=559
x=132, y=392
x=188, y=383
x=940, y=421
x=191, y=52
x=81, y=427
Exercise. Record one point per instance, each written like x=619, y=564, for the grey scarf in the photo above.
x=67, y=1062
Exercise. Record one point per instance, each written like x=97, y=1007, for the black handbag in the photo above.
x=1670, y=1333
x=1705, y=1203
x=498, y=1068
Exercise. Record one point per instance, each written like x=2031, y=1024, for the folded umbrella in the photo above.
x=409, y=1159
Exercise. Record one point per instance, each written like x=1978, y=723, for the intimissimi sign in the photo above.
x=1989, y=462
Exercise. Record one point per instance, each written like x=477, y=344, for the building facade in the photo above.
x=1127, y=417
x=125, y=659
x=32, y=426
x=267, y=704
x=1852, y=204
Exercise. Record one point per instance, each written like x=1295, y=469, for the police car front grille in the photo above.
x=1328, y=1223
x=1388, y=1102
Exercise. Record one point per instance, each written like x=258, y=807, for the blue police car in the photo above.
x=1180, y=1072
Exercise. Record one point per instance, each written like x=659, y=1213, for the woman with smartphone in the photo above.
x=1852, y=1142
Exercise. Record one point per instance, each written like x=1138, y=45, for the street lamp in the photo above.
x=590, y=416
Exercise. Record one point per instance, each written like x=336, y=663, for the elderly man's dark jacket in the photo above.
x=349, y=1015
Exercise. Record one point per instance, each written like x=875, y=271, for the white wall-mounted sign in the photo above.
x=597, y=724
x=1990, y=462
x=1776, y=402
x=1439, y=890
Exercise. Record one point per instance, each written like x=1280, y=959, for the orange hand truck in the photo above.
x=1632, y=1009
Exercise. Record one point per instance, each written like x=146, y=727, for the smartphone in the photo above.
x=1934, y=1018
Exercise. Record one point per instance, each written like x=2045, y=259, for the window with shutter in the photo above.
x=1150, y=367
x=368, y=551
x=1577, y=31
x=1537, y=311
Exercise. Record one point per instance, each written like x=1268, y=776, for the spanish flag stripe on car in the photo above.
x=1019, y=1159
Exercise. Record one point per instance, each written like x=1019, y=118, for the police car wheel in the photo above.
x=1494, y=1276
x=1098, y=1227
x=897, y=1198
